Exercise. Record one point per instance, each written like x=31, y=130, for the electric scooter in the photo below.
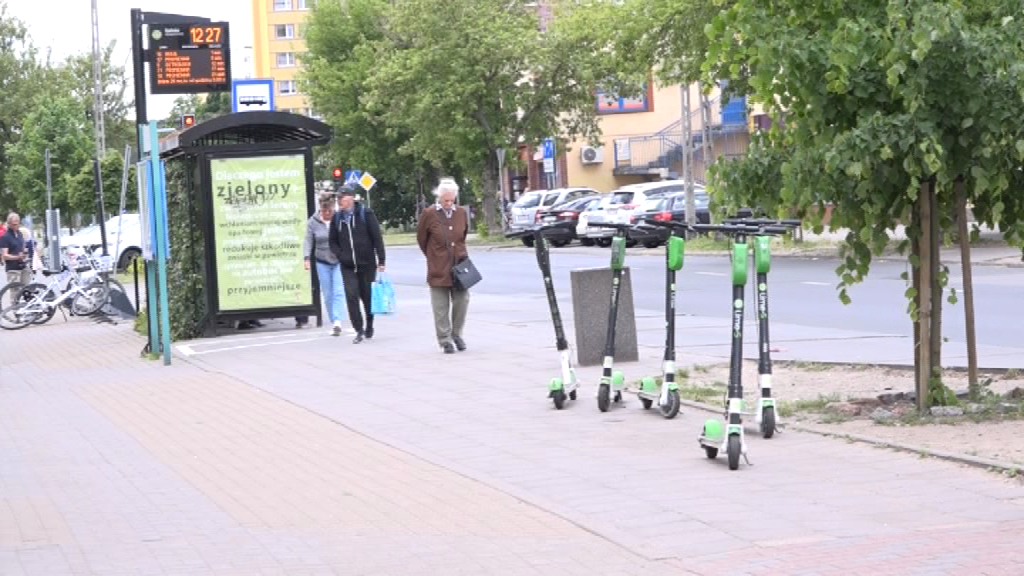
x=766, y=413
x=715, y=435
x=612, y=381
x=667, y=395
x=559, y=389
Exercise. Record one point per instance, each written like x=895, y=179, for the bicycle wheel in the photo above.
x=19, y=316
x=9, y=295
x=90, y=298
x=32, y=294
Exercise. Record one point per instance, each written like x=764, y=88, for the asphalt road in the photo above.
x=802, y=291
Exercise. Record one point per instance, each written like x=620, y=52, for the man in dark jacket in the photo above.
x=356, y=240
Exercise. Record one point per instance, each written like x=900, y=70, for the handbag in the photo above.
x=464, y=272
x=382, y=296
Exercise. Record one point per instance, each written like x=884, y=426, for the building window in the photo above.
x=306, y=4
x=287, y=87
x=285, y=59
x=312, y=113
x=284, y=31
x=610, y=103
x=282, y=5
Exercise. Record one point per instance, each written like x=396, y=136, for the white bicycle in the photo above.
x=37, y=303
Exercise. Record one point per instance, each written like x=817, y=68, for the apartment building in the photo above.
x=277, y=44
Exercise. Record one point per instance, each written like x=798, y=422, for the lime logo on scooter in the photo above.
x=737, y=318
x=762, y=300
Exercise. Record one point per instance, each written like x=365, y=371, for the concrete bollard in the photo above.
x=591, y=299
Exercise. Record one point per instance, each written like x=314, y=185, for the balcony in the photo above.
x=661, y=153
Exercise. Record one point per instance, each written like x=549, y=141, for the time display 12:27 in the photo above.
x=206, y=34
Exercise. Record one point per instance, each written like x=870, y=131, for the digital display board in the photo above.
x=188, y=58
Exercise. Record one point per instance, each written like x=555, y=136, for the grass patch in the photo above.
x=707, y=244
x=715, y=391
x=790, y=407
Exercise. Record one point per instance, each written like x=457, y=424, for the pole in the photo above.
x=49, y=182
x=98, y=176
x=501, y=186
x=924, y=297
x=139, y=72
x=687, y=141
x=160, y=256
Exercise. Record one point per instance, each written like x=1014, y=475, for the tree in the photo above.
x=343, y=48
x=23, y=83
x=664, y=35
x=465, y=78
x=886, y=104
x=77, y=73
x=82, y=186
x=60, y=125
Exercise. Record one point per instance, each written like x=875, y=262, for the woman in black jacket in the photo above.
x=356, y=240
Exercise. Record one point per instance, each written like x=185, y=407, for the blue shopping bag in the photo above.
x=382, y=296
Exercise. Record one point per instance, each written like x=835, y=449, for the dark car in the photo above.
x=566, y=216
x=672, y=207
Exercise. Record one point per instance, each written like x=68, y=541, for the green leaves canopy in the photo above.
x=876, y=98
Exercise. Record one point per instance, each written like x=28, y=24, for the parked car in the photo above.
x=621, y=205
x=567, y=215
x=673, y=207
x=130, y=246
x=525, y=210
x=596, y=211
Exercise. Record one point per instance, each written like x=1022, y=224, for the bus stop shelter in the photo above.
x=240, y=188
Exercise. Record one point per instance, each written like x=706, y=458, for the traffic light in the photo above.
x=339, y=176
x=188, y=121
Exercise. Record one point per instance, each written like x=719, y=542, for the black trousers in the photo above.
x=357, y=288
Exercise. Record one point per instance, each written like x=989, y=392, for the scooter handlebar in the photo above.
x=764, y=222
x=667, y=224
x=613, y=225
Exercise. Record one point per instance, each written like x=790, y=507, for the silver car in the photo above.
x=525, y=210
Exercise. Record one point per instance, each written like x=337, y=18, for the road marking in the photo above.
x=186, y=350
x=711, y=273
x=816, y=283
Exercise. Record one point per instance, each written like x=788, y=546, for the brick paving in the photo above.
x=291, y=452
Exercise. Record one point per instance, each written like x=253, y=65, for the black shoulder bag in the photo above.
x=464, y=272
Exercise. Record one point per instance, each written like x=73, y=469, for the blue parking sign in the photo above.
x=549, y=148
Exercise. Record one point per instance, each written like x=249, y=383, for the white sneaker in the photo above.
x=336, y=329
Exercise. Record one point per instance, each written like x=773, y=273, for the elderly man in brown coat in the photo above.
x=441, y=234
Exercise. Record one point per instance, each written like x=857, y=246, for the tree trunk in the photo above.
x=491, y=192
x=923, y=359
x=968, y=293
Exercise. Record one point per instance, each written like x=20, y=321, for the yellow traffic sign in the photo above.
x=367, y=181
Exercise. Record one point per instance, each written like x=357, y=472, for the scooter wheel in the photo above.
x=604, y=394
x=647, y=403
x=558, y=397
x=733, y=450
x=618, y=396
x=670, y=410
x=711, y=452
x=572, y=395
x=768, y=422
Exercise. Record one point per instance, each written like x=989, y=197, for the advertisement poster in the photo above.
x=259, y=218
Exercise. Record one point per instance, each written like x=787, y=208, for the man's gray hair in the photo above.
x=12, y=217
x=446, y=185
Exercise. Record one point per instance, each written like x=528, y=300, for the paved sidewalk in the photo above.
x=292, y=452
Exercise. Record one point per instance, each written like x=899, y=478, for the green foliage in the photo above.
x=666, y=35
x=186, y=270
x=60, y=125
x=877, y=99
x=81, y=187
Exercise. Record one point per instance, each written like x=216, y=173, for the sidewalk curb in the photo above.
x=903, y=367
x=975, y=461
